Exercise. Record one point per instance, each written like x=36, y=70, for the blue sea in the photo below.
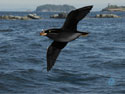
x=88, y=65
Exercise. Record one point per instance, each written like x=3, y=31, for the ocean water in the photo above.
x=88, y=65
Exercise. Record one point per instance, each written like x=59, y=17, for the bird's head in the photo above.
x=45, y=32
x=49, y=32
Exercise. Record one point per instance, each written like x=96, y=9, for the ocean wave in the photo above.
x=6, y=30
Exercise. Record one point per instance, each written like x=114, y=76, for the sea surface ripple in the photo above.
x=88, y=65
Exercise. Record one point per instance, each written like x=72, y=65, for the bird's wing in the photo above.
x=75, y=16
x=53, y=52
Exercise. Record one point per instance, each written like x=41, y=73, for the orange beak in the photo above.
x=43, y=33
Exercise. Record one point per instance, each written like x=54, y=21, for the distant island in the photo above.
x=114, y=8
x=54, y=8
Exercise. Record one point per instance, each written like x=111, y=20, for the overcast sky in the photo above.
x=22, y=5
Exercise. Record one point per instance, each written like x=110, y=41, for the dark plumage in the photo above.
x=67, y=33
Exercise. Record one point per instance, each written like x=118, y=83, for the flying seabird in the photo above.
x=65, y=34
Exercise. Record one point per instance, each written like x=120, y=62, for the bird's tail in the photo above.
x=84, y=34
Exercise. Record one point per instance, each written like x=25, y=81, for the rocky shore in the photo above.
x=28, y=17
x=114, y=8
x=64, y=15
x=106, y=16
x=60, y=15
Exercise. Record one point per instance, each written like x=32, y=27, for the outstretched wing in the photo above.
x=75, y=16
x=53, y=52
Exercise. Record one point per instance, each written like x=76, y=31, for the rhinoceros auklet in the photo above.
x=65, y=34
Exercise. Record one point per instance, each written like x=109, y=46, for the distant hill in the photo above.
x=54, y=8
x=114, y=8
